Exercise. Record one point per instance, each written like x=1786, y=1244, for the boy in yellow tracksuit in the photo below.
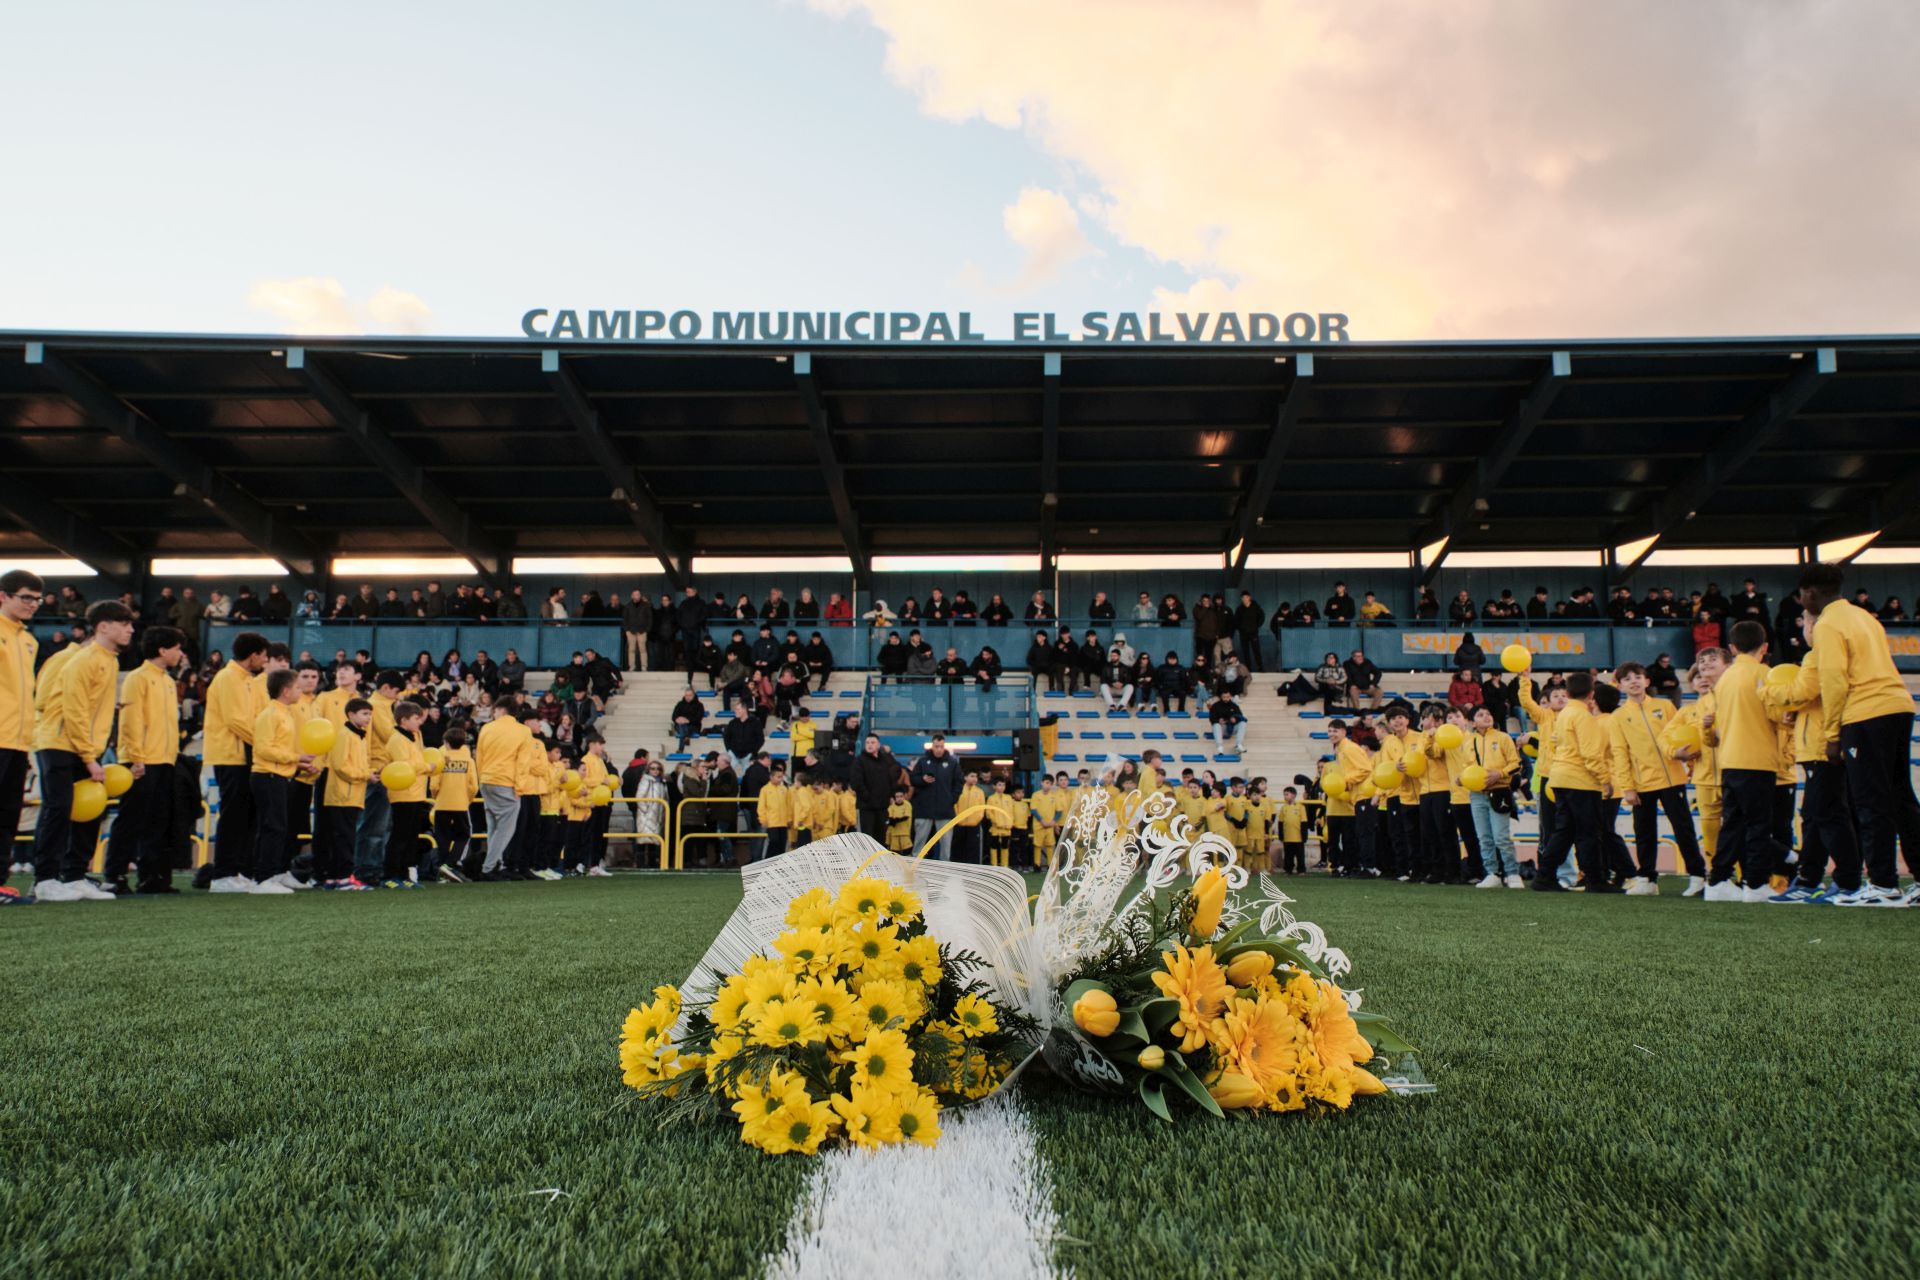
x=900, y=823
x=849, y=807
x=1239, y=813
x=20, y=592
x=1397, y=744
x=404, y=853
x=551, y=843
x=343, y=797
x=1581, y=772
x=1345, y=851
x=1049, y=806
x=801, y=805
x=1491, y=809
x=1690, y=739
x=1826, y=828
x=581, y=850
x=967, y=843
x=824, y=808
x=801, y=731
x=149, y=745
x=1546, y=719
x=455, y=788
x=1439, y=844
x=774, y=808
x=1648, y=779
x=1020, y=846
x=1749, y=758
x=1193, y=807
x=1291, y=819
x=999, y=823
x=72, y=738
x=277, y=756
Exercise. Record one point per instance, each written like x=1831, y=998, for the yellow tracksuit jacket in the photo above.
x=347, y=771
x=18, y=649
x=149, y=717
x=497, y=751
x=1353, y=764
x=88, y=689
x=774, y=806
x=1749, y=732
x=1637, y=734
x=1858, y=680
x=231, y=711
x=276, y=740
x=456, y=786
x=1582, y=760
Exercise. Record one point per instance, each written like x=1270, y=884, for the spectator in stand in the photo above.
x=774, y=607
x=393, y=606
x=1718, y=604
x=742, y=608
x=219, y=608
x=1248, y=618
x=1206, y=626
x=1892, y=610
x=1371, y=610
x=1331, y=681
x=839, y=610
x=1427, y=607
x=742, y=736
x=1363, y=680
x=1537, y=607
x=964, y=611
x=765, y=652
x=636, y=624
x=1621, y=608
x=553, y=609
x=1229, y=721
x=950, y=669
x=1340, y=608
x=1116, y=684
x=1126, y=650
x=309, y=609
x=1706, y=630
x=1464, y=692
x=805, y=610
x=1469, y=657
x=1143, y=610
x=922, y=666
x=706, y=657
x=1663, y=679
x=1089, y=659
x=1789, y=641
x=819, y=659
x=997, y=613
x=1042, y=661
x=1142, y=678
x=891, y=661
x=246, y=606
x=691, y=615
x=1861, y=600
x=986, y=668
x=1170, y=683
x=688, y=717
x=1172, y=612
x=1232, y=675
x=1038, y=610
x=1101, y=610
x=939, y=608
x=1461, y=612
x=513, y=672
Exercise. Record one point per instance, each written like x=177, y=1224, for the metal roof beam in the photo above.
x=630, y=488
x=451, y=521
x=1735, y=448
x=820, y=424
x=1049, y=467
x=66, y=532
x=193, y=475
x=1254, y=504
x=1897, y=504
x=1488, y=470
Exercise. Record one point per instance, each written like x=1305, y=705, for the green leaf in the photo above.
x=1379, y=1032
x=1182, y=1076
x=1153, y=1092
x=1159, y=1014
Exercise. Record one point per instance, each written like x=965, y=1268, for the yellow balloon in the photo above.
x=316, y=736
x=1686, y=734
x=1473, y=778
x=1417, y=765
x=1516, y=657
x=397, y=776
x=119, y=778
x=436, y=759
x=1531, y=747
x=599, y=796
x=1550, y=794
x=1448, y=736
x=1335, y=785
x=1781, y=678
x=1365, y=791
x=570, y=782
x=1386, y=776
x=89, y=800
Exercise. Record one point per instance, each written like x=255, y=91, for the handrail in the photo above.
x=682, y=835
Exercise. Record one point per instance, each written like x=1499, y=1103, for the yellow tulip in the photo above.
x=1152, y=1058
x=1209, y=896
x=1095, y=1012
x=1249, y=967
x=1234, y=1091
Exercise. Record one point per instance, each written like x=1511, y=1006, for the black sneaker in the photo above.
x=118, y=888
x=1546, y=884
x=148, y=890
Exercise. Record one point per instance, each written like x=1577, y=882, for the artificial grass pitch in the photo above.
x=395, y=1083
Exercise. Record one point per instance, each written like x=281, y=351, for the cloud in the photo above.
x=1043, y=224
x=1477, y=169
x=319, y=305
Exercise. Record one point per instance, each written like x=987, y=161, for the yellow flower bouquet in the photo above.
x=853, y=1021
x=1208, y=992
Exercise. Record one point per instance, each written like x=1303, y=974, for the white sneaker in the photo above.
x=271, y=886
x=1759, y=893
x=231, y=884
x=599, y=871
x=1487, y=882
x=1871, y=895
x=90, y=892
x=1696, y=885
x=1913, y=894
x=1515, y=882
x=56, y=891
x=1643, y=887
x=547, y=874
x=1725, y=891
x=286, y=878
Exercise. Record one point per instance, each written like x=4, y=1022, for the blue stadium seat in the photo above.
x=1193, y=759
x=1319, y=735
x=1123, y=734
x=1099, y=757
x=849, y=693
x=1154, y=735
x=1186, y=735
x=1066, y=759
x=1087, y=734
x=1086, y=715
x=679, y=757
x=1313, y=715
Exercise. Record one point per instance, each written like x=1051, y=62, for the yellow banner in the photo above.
x=1445, y=642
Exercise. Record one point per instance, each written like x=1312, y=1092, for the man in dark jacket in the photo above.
x=1340, y=608
x=1170, y=683
x=1247, y=620
x=743, y=736
x=1090, y=660
x=691, y=614
x=875, y=772
x=1363, y=680
x=276, y=607
x=892, y=658
x=935, y=777
x=1040, y=660
x=1537, y=607
x=766, y=651
x=636, y=620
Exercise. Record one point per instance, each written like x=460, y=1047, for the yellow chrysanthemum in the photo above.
x=806, y=950
x=1198, y=983
x=882, y=1061
x=918, y=960
x=865, y=898
x=1340, y=1046
x=730, y=1003
x=871, y=1117
x=868, y=947
x=1260, y=1040
x=787, y=1022
x=919, y=1118
x=811, y=910
x=900, y=905
x=800, y=1124
x=887, y=1002
x=833, y=1006
x=975, y=1017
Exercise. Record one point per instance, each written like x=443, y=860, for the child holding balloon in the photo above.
x=345, y=793
x=277, y=756
x=455, y=786
x=405, y=778
x=148, y=744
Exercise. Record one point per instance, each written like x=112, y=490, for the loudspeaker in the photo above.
x=1026, y=749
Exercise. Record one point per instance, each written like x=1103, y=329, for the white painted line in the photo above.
x=979, y=1203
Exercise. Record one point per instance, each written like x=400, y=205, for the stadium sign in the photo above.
x=1094, y=328
x=1444, y=643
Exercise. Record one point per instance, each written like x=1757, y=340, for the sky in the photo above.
x=1467, y=169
